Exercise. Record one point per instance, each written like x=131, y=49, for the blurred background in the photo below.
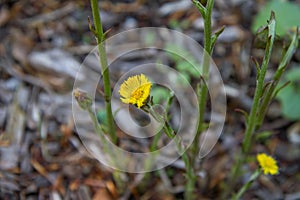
x=42, y=44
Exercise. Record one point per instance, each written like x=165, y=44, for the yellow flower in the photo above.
x=135, y=90
x=267, y=163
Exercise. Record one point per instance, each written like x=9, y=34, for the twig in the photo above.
x=52, y=16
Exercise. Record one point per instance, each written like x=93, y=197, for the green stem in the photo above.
x=247, y=185
x=156, y=138
x=104, y=69
x=252, y=120
x=162, y=119
x=170, y=133
x=205, y=76
x=281, y=68
x=96, y=124
x=116, y=174
x=191, y=178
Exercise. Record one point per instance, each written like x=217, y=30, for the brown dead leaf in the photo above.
x=102, y=194
x=60, y=84
x=272, y=145
x=67, y=129
x=3, y=141
x=53, y=167
x=94, y=182
x=15, y=170
x=58, y=185
x=230, y=19
x=193, y=15
x=21, y=46
x=120, y=7
x=216, y=170
x=48, y=16
x=74, y=185
x=268, y=183
x=39, y=168
x=112, y=188
x=176, y=16
x=4, y=16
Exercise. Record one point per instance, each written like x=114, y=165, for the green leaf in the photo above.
x=287, y=16
x=101, y=117
x=160, y=94
x=289, y=98
x=149, y=38
x=185, y=63
x=293, y=74
x=263, y=136
x=215, y=36
x=188, y=68
x=243, y=112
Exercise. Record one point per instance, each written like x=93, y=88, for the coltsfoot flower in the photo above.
x=267, y=164
x=135, y=90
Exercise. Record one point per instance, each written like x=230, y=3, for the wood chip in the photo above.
x=102, y=194
x=39, y=168
x=74, y=185
x=47, y=17
x=112, y=188
x=4, y=15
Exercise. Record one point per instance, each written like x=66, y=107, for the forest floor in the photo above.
x=41, y=153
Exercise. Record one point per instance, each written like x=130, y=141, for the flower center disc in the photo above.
x=137, y=94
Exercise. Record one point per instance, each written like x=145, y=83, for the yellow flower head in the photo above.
x=267, y=163
x=135, y=90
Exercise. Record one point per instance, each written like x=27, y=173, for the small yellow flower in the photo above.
x=267, y=163
x=135, y=90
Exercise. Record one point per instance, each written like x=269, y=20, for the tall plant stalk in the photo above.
x=104, y=68
x=85, y=102
x=251, y=120
x=206, y=14
x=272, y=91
x=264, y=93
x=209, y=41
